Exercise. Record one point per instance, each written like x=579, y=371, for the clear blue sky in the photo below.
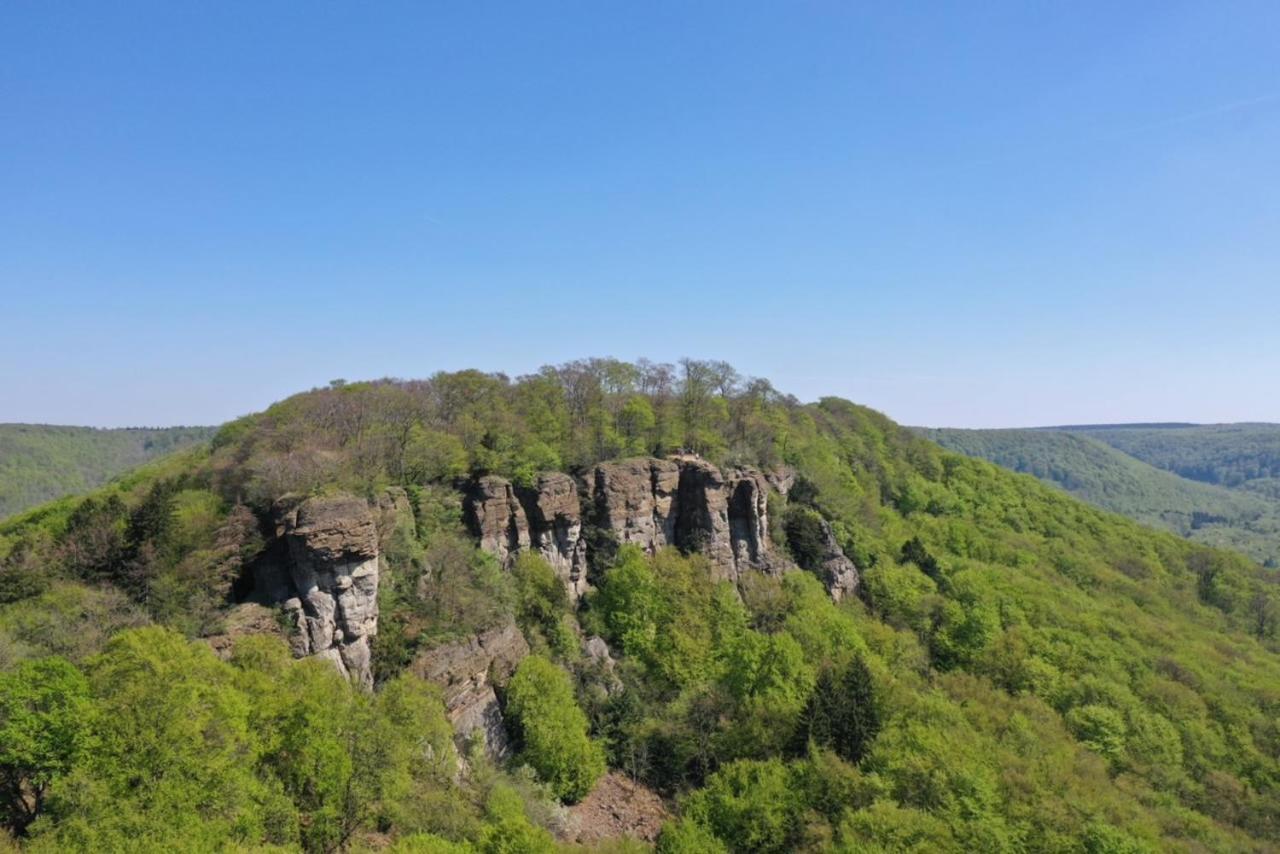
x=965, y=214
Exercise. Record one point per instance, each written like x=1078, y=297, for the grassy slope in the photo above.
x=1092, y=469
x=39, y=462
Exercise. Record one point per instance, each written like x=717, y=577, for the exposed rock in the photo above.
x=617, y=807
x=685, y=502
x=600, y=674
x=596, y=649
x=781, y=479
x=496, y=517
x=636, y=501
x=545, y=517
x=467, y=672
x=332, y=550
x=554, y=516
x=688, y=502
x=838, y=572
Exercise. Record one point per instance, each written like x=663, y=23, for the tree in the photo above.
x=542, y=604
x=172, y=764
x=552, y=730
x=635, y=423
x=750, y=806
x=842, y=713
x=45, y=714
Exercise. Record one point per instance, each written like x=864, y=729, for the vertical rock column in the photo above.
x=333, y=563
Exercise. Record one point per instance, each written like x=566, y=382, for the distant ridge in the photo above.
x=41, y=462
x=1137, y=425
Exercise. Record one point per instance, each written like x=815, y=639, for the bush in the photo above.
x=552, y=730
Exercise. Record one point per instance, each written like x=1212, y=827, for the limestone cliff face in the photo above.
x=651, y=503
x=467, y=672
x=330, y=588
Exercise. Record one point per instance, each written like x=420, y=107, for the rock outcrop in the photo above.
x=545, y=517
x=838, y=572
x=635, y=500
x=467, y=672
x=553, y=510
x=689, y=503
x=331, y=547
x=652, y=503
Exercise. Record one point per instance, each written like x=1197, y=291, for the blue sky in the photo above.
x=968, y=214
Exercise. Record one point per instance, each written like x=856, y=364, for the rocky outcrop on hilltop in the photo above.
x=467, y=671
x=635, y=501
x=545, y=517
x=685, y=502
x=329, y=586
x=689, y=503
x=553, y=509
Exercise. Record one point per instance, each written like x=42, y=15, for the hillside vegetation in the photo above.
x=1094, y=465
x=1020, y=671
x=39, y=462
x=1243, y=456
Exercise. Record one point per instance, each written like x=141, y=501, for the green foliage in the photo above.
x=1214, y=484
x=508, y=829
x=552, y=729
x=39, y=463
x=805, y=542
x=543, y=605
x=842, y=713
x=44, y=732
x=750, y=806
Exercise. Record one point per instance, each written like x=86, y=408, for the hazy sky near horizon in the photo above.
x=964, y=214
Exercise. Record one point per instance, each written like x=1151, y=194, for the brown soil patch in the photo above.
x=617, y=806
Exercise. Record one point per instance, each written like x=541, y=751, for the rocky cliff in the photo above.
x=332, y=548
x=545, y=517
x=323, y=569
x=468, y=671
x=837, y=571
x=684, y=502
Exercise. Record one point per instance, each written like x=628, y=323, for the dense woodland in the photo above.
x=39, y=462
x=1022, y=671
x=1242, y=516
x=1233, y=455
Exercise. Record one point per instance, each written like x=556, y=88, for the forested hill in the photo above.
x=781, y=626
x=1242, y=456
x=40, y=462
x=1094, y=463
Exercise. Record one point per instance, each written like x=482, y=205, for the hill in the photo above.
x=1243, y=456
x=802, y=626
x=41, y=462
x=1086, y=462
